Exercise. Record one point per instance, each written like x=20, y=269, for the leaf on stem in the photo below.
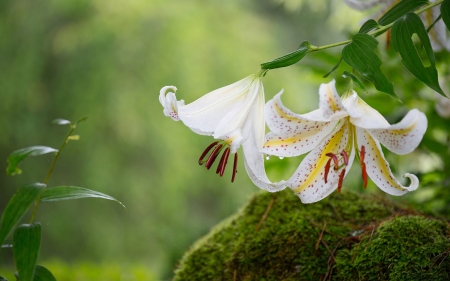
x=402, y=42
x=445, y=13
x=17, y=207
x=3, y=278
x=43, y=274
x=333, y=69
x=60, y=121
x=368, y=26
x=360, y=55
x=27, y=243
x=82, y=120
x=355, y=80
x=19, y=155
x=402, y=8
x=72, y=192
x=288, y=59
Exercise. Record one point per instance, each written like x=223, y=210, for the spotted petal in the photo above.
x=330, y=104
x=405, y=136
x=362, y=115
x=169, y=102
x=378, y=168
x=308, y=181
x=292, y=134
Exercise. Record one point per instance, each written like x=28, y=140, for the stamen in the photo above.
x=212, y=157
x=327, y=169
x=364, y=174
x=234, y=167
x=200, y=160
x=335, y=160
x=341, y=180
x=345, y=156
x=223, y=162
x=362, y=153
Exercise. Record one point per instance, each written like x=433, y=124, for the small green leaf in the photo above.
x=27, y=243
x=43, y=274
x=368, y=26
x=355, y=80
x=288, y=59
x=74, y=137
x=82, y=120
x=333, y=69
x=402, y=8
x=17, y=207
x=19, y=155
x=402, y=33
x=60, y=121
x=445, y=13
x=72, y=192
x=3, y=278
x=360, y=55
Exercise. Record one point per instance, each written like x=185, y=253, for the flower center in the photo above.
x=343, y=156
x=217, y=148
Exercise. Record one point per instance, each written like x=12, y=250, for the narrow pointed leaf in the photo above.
x=402, y=42
x=19, y=155
x=43, y=274
x=3, y=278
x=360, y=55
x=288, y=59
x=333, y=69
x=60, y=121
x=401, y=9
x=82, y=120
x=17, y=207
x=368, y=26
x=26, y=246
x=445, y=13
x=355, y=80
x=72, y=192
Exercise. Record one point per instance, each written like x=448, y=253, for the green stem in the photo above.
x=374, y=33
x=50, y=171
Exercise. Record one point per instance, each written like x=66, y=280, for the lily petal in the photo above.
x=330, y=104
x=204, y=115
x=405, y=136
x=292, y=134
x=169, y=102
x=308, y=181
x=362, y=115
x=378, y=168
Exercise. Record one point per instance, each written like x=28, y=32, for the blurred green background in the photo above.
x=108, y=60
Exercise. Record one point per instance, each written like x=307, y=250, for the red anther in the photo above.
x=327, y=169
x=341, y=180
x=335, y=160
x=200, y=160
x=224, y=162
x=234, y=167
x=345, y=156
x=362, y=153
x=212, y=157
x=388, y=40
x=364, y=174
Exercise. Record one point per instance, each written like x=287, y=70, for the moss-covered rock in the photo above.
x=344, y=237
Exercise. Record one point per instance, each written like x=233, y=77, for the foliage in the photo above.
x=346, y=236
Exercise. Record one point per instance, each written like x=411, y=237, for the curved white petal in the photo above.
x=253, y=141
x=292, y=134
x=362, y=115
x=378, y=168
x=330, y=104
x=308, y=181
x=169, y=102
x=204, y=115
x=404, y=136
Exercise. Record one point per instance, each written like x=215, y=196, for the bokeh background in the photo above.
x=107, y=60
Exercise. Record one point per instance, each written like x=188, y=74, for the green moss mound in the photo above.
x=344, y=237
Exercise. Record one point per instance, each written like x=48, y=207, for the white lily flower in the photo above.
x=438, y=34
x=335, y=133
x=234, y=115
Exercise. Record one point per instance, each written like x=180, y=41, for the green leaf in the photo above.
x=445, y=13
x=355, y=80
x=19, y=155
x=333, y=69
x=27, y=243
x=368, y=26
x=17, y=207
x=288, y=59
x=60, y=121
x=399, y=10
x=72, y=192
x=82, y=120
x=3, y=278
x=360, y=55
x=43, y=274
x=402, y=42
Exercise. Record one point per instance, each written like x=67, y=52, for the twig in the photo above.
x=320, y=237
x=266, y=213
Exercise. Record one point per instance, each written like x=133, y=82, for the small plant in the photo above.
x=26, y=238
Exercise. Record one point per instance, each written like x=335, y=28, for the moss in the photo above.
x=344, y=237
